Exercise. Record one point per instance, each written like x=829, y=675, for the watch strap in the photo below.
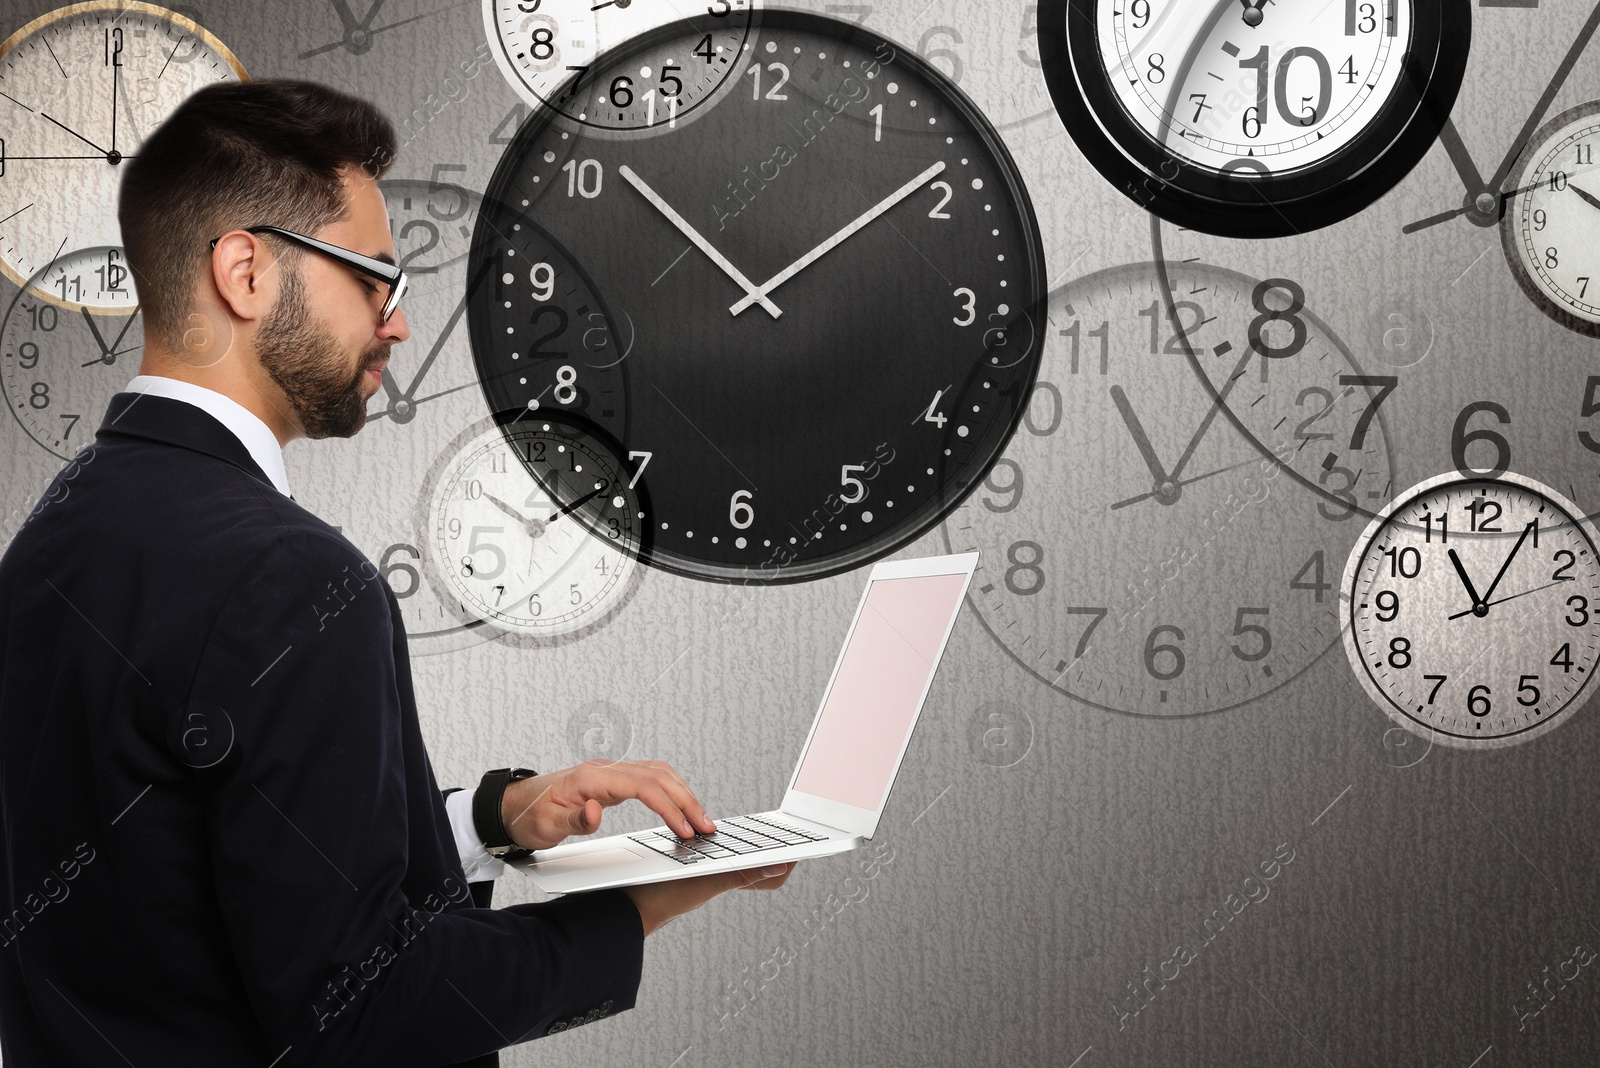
x=487, y=802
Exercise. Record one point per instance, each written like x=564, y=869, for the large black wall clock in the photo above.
x=1254, y=119
x=831, y=276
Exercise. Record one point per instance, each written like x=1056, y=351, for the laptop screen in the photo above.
x=878, y=688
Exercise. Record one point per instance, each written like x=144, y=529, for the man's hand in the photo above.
x=540, y=811
x=661, y=903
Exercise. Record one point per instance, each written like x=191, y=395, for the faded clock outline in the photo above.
x=1221, y=586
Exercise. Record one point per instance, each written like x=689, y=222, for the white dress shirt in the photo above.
x=264, y=449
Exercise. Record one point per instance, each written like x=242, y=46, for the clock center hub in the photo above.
x=113, y=157
x=359, y=42
x=1252, y=16
x=1168, y=492
x=1480, y=610
x=1483, y=209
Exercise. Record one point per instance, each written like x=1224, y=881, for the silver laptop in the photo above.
x=847, y=766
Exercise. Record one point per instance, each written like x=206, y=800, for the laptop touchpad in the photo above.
x=605, y=858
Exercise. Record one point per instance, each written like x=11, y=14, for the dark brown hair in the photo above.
x=231, y=156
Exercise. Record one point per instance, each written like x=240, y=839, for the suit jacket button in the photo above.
x=605, y=1006
x=557, y=1027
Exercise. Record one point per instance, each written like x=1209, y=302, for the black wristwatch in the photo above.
x=486, y=806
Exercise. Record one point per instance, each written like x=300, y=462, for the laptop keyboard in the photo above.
x=734, y=837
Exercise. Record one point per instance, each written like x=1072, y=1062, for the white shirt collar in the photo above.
x=255, y=435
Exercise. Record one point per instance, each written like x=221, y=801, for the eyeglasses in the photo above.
x=388, y=273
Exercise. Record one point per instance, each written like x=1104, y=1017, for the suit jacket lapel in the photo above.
x=175, y=422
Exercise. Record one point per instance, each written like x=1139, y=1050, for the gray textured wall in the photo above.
x=1024, y=903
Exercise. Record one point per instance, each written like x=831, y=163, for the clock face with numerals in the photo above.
x=60, y=367
x=1474, y=609
x=831, y=278
x=547, y=49
x=533, y=527
x=431, y=389
x=1551, y=227
x=80, y=89
x=1249, y=117
x=1221, y=588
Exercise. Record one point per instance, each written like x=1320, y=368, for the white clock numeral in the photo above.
x=845, y=479
x=740, y=513
x=543, y=289
x=971, y=307
x=772, y=94
x=938, y=211
x=584, y=179
x=877, y=126
x=566, y=383
x=932, y=415
x=632, y=455
x=650, y=110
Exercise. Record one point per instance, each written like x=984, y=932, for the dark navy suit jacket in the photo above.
x=222, y=839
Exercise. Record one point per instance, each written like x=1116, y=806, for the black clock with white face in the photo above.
x=831, y=279
x=1254, y=118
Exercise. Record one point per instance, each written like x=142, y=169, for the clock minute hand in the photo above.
x=701, y=243
x=1488, y=593
x=1535, y=117
x=1216, y=406
x=827, y=246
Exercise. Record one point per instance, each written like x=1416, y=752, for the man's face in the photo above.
x=322, y=343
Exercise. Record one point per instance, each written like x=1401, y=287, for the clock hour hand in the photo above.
x=105, y=350
x=1587, y=198
x=534, y=527
x=1466, y=580
x=579, y=503
x=1446, y=216
x=756, y=296
x=1142, y=440
x=701, y=243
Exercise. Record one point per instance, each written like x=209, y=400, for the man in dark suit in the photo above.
x=223, y=842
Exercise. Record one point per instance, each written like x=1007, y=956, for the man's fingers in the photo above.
x=657, y=787
x=768, y=878
x=673, y=785
x=581, y=823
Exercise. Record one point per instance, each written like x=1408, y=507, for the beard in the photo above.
x=308, y=364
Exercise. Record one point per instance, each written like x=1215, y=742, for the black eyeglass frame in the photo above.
x=388, y=273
